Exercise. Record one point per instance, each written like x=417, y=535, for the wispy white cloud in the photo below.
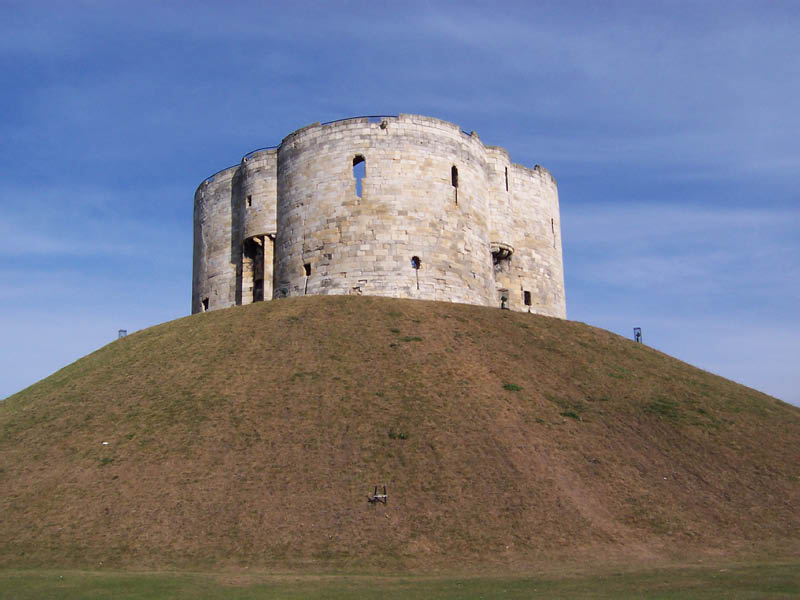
x=63, y=222
x=638, y=84
x=654, y=222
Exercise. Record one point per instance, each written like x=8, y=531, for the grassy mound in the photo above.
x=252, y=437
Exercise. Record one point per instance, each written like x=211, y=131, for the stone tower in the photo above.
x=406, y=206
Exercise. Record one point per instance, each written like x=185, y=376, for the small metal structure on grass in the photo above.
x=637, y=334
x=376, y=497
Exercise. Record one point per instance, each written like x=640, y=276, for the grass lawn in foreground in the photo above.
x=687, y=583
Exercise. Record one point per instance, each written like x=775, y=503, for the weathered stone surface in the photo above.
x=288, y=221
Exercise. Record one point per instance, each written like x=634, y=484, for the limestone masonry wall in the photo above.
x=405, y=206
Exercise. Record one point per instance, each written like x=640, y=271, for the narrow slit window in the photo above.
x=454, y=182
x=506, y=178
x=307, y=269
x=526, y=296
x=249, y=200
x=205, y=304
x=359, y=172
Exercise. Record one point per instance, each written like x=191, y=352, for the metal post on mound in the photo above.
x=376, y=497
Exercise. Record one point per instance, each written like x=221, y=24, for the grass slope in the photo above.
x=252, y=436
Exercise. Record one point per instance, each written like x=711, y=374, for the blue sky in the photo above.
x=672, y=129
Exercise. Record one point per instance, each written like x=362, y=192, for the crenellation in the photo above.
x=289, y=220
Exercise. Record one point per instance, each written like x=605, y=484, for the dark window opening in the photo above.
x=307, y=269
x=258, y=290
x=454, y=176
x=527, y=298
x=249, y=200
x=506, y=178
x=359, y=172
x=204, y=302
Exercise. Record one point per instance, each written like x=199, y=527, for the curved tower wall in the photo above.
x=534, y=227
x=501, y=233
x=331, y=241
x=259, y=192
x=234, y=232
x=293, y=220
x=256, y=201
x=213, y=271
x=498, y=169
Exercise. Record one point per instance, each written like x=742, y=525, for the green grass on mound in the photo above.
x=252, y=437
x=762, y=582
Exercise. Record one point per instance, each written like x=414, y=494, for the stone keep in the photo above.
x=406, y=207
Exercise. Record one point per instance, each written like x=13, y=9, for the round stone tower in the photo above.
x=414, y=226
x=405, y=206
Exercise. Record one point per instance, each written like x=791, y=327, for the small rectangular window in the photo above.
x=307, y=269
x=249, y=200
x=506, y=178
x=527, y=298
